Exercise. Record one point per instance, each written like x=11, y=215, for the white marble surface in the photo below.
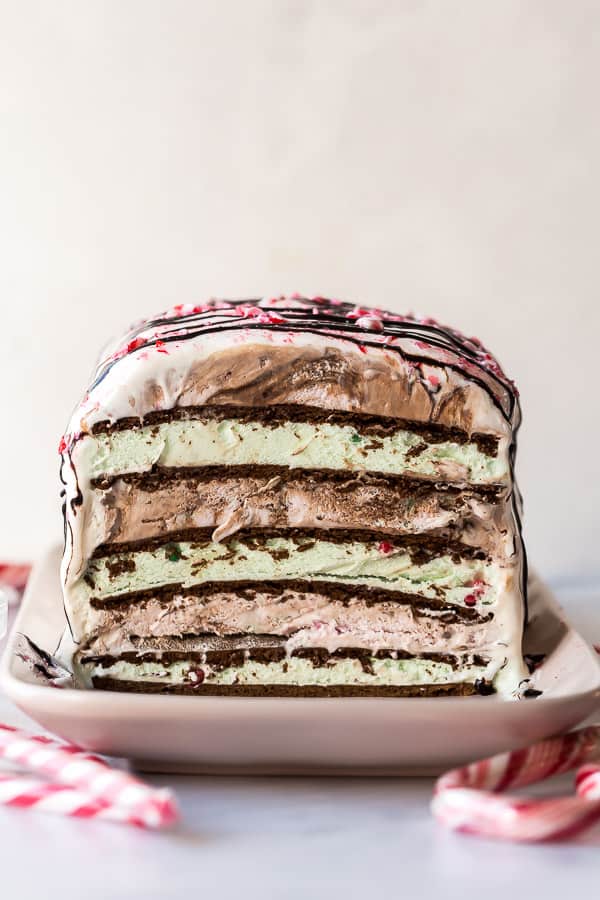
x=293, y=838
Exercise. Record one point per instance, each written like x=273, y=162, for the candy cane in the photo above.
x=468, y=799
x=14, y=575
x=82, y=785
x=13, y=579
x=25, y=792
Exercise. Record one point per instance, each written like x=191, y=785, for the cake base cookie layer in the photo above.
x=283, y=690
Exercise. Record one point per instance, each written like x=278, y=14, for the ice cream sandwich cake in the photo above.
x=294, y=497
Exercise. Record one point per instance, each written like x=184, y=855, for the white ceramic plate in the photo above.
x=303, y=735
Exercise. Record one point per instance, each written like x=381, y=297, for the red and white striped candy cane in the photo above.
x=13, y=578
x=14, y=575
x=468, y=799
x=26, y=792
x=81, y=785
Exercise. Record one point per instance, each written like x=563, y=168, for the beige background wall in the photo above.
x=436, y=156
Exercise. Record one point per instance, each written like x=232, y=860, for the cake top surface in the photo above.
x=167, y=338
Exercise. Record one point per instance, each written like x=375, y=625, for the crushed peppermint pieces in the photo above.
x=358, y=312
x=478, y=587
x=135, y=344
x=262, y=316
x=196, y=675
x=385, y=547
x=370, y=323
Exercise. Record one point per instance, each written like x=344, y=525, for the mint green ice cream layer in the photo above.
x=351, y=562
x=298, y=671
x=295, y=444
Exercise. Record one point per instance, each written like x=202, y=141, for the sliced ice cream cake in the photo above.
x=294, y=497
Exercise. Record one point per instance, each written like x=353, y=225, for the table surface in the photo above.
x=293, y=838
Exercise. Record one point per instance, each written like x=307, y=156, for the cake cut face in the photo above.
x=294, y=497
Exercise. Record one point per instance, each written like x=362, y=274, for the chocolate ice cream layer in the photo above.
x=307, y=615
x=134, y=508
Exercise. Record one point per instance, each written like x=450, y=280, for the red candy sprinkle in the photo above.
x=479, y=586
x=357, y=312
x=134, y=344
x=385, y=547
x=362, y=348
x=434, y=380
x=249, y=312
x=62, y=446
x=196, y=676
x=160, y=346
x=263, y=316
